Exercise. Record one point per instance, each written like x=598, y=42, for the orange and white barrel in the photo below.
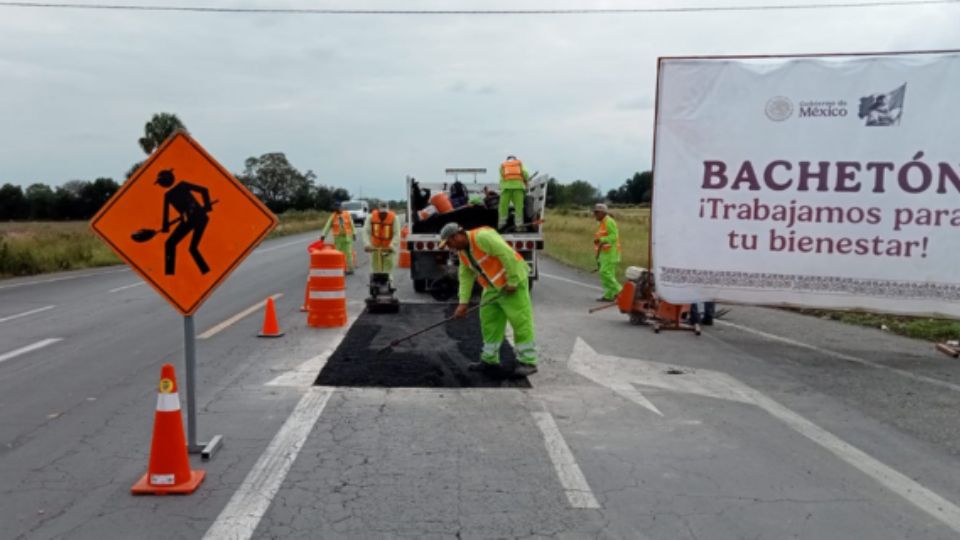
x=404, y=259
x=326, y=289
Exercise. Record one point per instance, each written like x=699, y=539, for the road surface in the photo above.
x=770, y=425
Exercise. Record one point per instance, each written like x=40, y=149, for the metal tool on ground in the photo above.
x=382, y=299
x=145, y=235
x=408, y=337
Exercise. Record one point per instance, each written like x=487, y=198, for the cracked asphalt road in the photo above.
x=75, y=423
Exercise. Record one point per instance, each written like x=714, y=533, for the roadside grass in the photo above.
x=569, y=239
x=30, y=248
x=568, y=235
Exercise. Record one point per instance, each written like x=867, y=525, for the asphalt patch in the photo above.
x=436, y=359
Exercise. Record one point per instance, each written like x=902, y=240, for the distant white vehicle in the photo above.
x=358, y=210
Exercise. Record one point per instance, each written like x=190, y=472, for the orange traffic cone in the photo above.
x=169, y=469
x=270, y=326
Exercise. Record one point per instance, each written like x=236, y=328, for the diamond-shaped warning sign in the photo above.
x=183, y=222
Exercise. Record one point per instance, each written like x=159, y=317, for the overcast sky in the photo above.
x=365, y=100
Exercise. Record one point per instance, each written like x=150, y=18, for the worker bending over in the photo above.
x=502, y=272
x=341, y=225
x=513, y=188
x=380, y=237
x=606, y=245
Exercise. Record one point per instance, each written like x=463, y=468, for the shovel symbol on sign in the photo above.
x=192, y=221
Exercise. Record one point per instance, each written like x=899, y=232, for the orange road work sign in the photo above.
x=183, y=222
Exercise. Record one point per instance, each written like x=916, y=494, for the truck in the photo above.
x=358, y=210
x=470, y=204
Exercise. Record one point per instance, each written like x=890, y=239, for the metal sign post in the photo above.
x=206, y=450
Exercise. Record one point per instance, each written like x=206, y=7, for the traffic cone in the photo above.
x=270, y=326
x=169, y=469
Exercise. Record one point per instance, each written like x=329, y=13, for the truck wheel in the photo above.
x=420, y=285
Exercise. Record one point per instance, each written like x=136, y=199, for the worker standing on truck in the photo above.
x=485, y=256
x=341, y=224
x=513, y=188
x=606, y=245
x=379, y=238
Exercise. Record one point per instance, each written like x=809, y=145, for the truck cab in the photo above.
x=470, y=203
x=358, y=210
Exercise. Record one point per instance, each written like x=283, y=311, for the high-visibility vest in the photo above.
x=342, y=222
x=512, y=172
x=601, y=233
x=381, y=228
x=489, y=269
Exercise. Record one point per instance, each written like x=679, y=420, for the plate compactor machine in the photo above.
x=382, y=292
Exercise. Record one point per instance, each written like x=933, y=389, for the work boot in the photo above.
x=707, y=321
x=525, y=370
x=482, y=366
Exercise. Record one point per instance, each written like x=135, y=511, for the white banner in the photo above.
x=810, y=181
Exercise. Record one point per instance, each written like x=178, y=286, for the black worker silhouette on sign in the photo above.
x=193, y=219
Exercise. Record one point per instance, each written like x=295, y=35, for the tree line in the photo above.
x=634, y=190
x=271, y=177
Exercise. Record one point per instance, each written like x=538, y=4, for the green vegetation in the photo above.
x=569, y=236
x=28, y=248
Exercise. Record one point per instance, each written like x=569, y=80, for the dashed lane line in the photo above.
x=232, y=320
x=29, y=348
x=574, y=484
x=125, y=287
x=26, y=313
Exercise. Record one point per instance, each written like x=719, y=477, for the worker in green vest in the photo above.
x=513, y=189
x=606, y=245
x=341, y=224
x=486, y=257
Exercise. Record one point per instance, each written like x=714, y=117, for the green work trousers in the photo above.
x=516, y=196
x=344, y=244
x=517, y=309
x=608, y=273
x=381, y=262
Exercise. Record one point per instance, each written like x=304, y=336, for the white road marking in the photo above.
x=893, y=480
x=26, y=313
x=722, y=386
x=304, y=374
x=125, y=287
x=575, y=282
x=239, y=519
x=795, y=343
x=571, y=477
x=841, y=356
x=225, y=324
x=64, y=278
x=29, y=348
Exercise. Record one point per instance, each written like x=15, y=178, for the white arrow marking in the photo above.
x=615, y=373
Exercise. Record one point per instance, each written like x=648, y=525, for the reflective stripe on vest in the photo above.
x=342, y=221
x=601, y=233
x=512, y=171
x=381, y=230
x=489, y=269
